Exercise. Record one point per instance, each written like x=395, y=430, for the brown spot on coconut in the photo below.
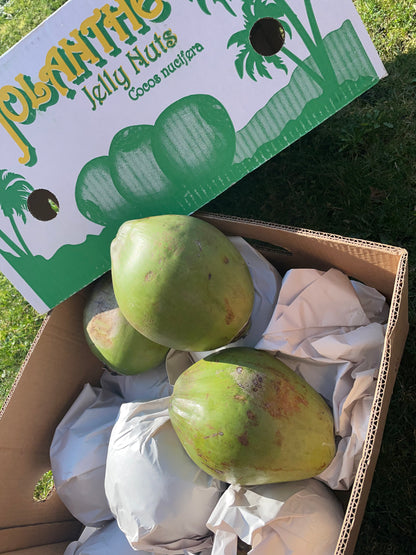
x=179, y=307
x=283, y=431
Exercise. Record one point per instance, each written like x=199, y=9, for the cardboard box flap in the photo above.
x=373, y=263
x=116, y=111
x=23, y=539
x=396, y=334
x=48, y=383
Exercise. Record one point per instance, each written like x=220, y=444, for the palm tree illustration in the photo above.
x=203, y=5
x=14, y=192
x=249, y=60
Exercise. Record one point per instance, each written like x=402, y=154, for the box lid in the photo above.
x=132, y=108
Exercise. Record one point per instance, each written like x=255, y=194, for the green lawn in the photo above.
x=354, y=175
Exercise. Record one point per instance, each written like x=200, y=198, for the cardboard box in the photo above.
x=59, y=363
x=121, y=110
x=108, y=66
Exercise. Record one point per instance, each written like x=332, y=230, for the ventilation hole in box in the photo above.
x=43, y=205
x=267, y=36
x=44, y=488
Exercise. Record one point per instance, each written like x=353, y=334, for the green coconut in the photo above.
x=180, y=282
x=245, y=418
x=112, y=339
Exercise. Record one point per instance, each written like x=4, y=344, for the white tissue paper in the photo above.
x=159, y=497
x=146, y=386
x=78, y=454
x=331, y=330
x=291, y=518
x=108, y=540
x=267, y=282
x=88, y=531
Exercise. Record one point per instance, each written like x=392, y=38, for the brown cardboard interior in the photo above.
x=59, y=363
x=48, y=383
x=51, y=549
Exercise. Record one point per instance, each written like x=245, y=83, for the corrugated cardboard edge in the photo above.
x=22, y=368
x=397, y=330
x=292, y=239
x=223, y=219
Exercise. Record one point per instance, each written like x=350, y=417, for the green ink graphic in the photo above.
x=248, y=58
x=14, y=192
x=135, y=172
x=192, y=152
x=96, y=195
x=149, y=169
x=167, y=9
x=203, y=5
x=66, y=272
x=302, y=105
x=194, y=140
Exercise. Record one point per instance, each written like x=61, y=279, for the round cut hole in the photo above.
x=267, y=36
x=43, y=205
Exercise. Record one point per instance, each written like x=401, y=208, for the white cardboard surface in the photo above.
x=93, y=70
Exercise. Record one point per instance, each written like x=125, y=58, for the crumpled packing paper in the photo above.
x=158, y=495
x=326, y=327
x=78, y=450
x=291, y=518
x=146, y=386
x=267, y=282
x=109, y=540
x=331, y=330
x=78, y=454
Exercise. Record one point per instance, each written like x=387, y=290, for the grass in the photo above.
x=354, y=175
x=19, y=17
x=44, y=487
x=19, y=324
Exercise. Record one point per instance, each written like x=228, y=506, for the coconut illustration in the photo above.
x=137, y=175
x=194, y=139
x=97, y=197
